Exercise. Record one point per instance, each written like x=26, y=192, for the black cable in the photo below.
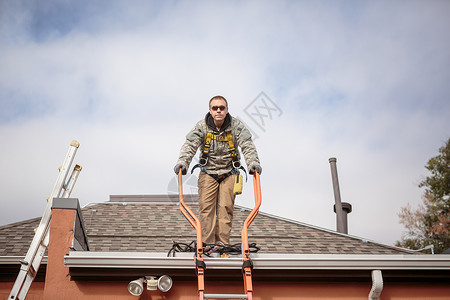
x=209, y=249
x=229, y=249
x=182, y=247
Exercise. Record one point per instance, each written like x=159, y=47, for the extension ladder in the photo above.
x=246, y=261
x=30, y=265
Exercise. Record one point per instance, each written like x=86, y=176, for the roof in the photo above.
x=152, y=223
x=15, y=238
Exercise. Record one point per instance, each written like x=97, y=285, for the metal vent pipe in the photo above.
x=340, y=208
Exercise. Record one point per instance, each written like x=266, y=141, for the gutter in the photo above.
x=136, y=260
x=12, y=260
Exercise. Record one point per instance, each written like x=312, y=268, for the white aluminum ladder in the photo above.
x=30, y=265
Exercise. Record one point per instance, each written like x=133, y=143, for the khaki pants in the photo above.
x=216, y=203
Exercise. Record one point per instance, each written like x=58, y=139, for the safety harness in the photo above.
x=204, y=157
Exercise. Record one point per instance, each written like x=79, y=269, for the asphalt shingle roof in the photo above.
x=153, y=223
x=15, y=238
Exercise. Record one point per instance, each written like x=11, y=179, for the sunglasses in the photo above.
x=218, y=107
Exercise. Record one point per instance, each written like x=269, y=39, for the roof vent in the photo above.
x=340, y=208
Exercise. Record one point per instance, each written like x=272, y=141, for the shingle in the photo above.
x=16, y=237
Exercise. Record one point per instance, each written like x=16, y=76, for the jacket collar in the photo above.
x=210, y=122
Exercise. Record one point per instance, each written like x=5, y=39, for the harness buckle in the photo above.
x=236, y=164
x=203, y=161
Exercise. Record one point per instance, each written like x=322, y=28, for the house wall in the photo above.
x=36, y=291
x=263, y=291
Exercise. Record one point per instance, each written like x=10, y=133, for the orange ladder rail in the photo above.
x=247, y=265
x=195, y=222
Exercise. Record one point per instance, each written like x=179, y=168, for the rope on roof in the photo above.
x=210, y=249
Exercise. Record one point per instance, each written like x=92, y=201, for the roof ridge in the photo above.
x=152, y=198
x=18, y=223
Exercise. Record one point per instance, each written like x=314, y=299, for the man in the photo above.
x=218, y=136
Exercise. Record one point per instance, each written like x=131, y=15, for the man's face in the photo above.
x=218, y=110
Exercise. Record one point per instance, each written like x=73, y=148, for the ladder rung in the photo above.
x=32, y=271
x=225, y=296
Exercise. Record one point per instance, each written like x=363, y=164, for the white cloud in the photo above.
x=364, y=83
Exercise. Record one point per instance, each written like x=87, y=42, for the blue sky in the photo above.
x=363, y=81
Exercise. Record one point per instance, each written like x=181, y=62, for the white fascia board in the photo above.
x=10, y=260
x=87, y=259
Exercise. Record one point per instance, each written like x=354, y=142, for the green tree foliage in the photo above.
x=429, y=224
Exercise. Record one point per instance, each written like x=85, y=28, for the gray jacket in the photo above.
x=219, y=156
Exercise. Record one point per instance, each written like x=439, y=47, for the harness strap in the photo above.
x=220, y=178
x=206, y=148
x=234, y=156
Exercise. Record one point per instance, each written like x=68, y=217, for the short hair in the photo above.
x=218, y=97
